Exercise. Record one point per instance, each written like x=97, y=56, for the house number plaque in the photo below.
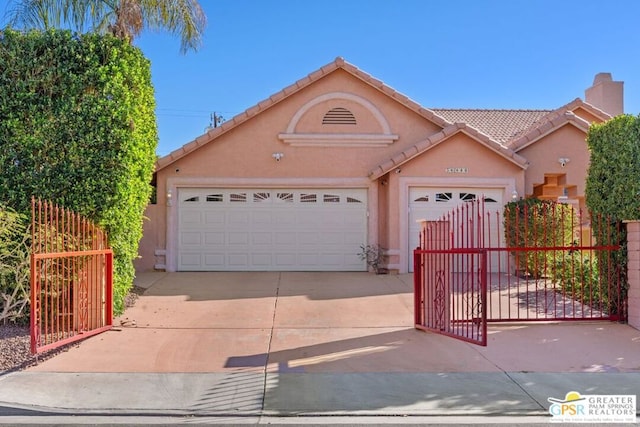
x=457, y=170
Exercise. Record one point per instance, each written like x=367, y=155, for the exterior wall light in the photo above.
x=514, y=195
x=563, y=161
x=169, y=198
x=277, y=156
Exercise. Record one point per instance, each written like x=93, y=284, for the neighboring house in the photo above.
x=339, y=159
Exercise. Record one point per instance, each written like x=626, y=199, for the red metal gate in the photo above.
x=449, y=300
x=71, y=278
x=534, y=262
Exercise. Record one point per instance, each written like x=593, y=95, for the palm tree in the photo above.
x=123, y=18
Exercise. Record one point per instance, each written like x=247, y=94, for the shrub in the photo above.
x=14, y=266
x=533, y=223
x=374, y=255
x=578, y=276
x=77, y=127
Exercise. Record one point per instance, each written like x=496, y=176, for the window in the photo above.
x=192, y=199
x=308, y=198
x=331, y=198
x=443, y=197
x=352, y=200
x=261, y=197
x=339, y=116
x=285, y=197
x=424, y=198
x=238, y=197
x=214, y=198
x=467, y=197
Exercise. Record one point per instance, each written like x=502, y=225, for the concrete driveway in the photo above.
x=300, y=322
x=268, y=348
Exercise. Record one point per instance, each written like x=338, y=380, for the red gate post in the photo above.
x=418, y=288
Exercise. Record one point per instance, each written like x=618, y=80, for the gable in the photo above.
x=450, y=132
x=338, y=118
x=332, y=72
x=460, y=155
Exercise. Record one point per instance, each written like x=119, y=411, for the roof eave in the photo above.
x=435, y=139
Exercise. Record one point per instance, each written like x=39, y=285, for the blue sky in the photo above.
x=520, y=54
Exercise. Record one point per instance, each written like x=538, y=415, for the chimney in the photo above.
x=606, y=94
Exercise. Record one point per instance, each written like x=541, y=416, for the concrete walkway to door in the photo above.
x=298, y=343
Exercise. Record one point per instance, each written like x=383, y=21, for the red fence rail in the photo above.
x=543, y=260
x=71, y=277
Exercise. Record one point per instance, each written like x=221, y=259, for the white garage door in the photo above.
x=431, y=203
x=271, y=229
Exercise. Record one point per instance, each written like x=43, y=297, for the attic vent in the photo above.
x=339, y=116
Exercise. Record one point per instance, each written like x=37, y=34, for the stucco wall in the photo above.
x=566, y=142
x=243, y=157
x=147, y=258
x=633, y=272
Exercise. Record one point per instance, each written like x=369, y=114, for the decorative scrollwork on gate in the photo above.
x=439, y=300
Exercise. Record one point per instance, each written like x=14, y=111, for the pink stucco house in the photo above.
x=339, y=159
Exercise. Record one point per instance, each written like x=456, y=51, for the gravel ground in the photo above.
x=14, y=348
x=15, y=343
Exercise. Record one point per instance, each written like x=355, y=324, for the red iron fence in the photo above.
x=533, y=261
x=71, y=278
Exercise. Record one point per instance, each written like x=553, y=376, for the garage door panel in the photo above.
x=191, y=218
x=262, y=218
x=286, y=238
x=214, y=218
x=277, y=229
x=238, y=259
x=285, y=218
x=190, y=259
x=331, y=259
x=306, y=238
x=237, y=217
x=214, y=238
x=190, y=238
x=262, y=238
x=261, y=260
x=287, y=260
x=213, y=260
x=310, y=261
x=331, y=239
x=238, y=238
x=354, y=239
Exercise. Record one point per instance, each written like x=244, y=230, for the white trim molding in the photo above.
x=294, y=138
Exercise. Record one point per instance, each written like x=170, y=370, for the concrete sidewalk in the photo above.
x=311, y=348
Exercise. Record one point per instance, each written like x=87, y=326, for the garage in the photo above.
x=431, y=203
x=232, y=229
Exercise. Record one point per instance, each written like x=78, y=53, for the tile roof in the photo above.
x=500, y=125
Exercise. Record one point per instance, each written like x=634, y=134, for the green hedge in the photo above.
x=613, y=191
x=77, y=127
